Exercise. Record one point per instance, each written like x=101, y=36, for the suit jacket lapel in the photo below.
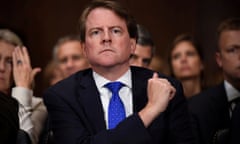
x=223, y=105
x=90, y=102
x=139, y=87
x=89, y=98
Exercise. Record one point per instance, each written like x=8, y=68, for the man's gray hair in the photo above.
x=62, y=41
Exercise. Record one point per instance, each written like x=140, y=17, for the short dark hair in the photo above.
x=228, y=24
x=114, y=6
x=145, y=38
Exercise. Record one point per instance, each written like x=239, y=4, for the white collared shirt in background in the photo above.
x=232, y=93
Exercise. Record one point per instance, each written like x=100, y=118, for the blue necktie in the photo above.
x=116, y=111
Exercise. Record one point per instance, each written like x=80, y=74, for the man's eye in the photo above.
x=146, y=61
x=116, y=31
x=95, y=32
x=76, y=57
x=62, y=61
x=231, y=50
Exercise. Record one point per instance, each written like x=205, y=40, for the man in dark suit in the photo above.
x=212, y=109
x=79, y=107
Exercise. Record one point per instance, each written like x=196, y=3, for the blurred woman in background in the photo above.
x=186, y=64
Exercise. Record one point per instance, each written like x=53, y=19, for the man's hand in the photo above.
x=160, y=92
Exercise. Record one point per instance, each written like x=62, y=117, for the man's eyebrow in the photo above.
x=115, y=27
x=235, y=45
x=94, y=28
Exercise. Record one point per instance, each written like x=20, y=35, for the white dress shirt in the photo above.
x=125, y=93
x=232, y=93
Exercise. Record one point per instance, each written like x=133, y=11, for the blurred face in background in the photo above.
x=185, y=61
x=6, y=51
x=56, y=76
x=70, y=58
x=142, y=56
x=228, y=57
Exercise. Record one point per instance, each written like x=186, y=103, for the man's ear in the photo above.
x=218, y=58
x=132, y=45
x=83, y=48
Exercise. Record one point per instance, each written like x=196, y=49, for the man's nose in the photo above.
x=107, y=36
x=69, y=63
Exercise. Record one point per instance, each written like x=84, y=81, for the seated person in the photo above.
x=68, y=55
x=145, y=48
x=113, y=102
x=186, y=64
x=15, y=69
x=212, y=109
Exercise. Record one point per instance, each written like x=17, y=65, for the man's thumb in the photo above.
x=155, y=75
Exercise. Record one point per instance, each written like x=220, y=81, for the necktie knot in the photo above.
x=235, y=101
x=114, y=87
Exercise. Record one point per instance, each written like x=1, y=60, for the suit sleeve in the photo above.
x=71, y=127
x=179, y=119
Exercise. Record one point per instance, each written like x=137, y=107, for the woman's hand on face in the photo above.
x=23, y=73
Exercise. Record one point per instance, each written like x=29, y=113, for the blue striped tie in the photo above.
x=116, y=111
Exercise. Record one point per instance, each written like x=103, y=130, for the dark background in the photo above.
x=41, y=23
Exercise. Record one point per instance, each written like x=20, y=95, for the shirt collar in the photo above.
x=101, y=81
x=232, y=93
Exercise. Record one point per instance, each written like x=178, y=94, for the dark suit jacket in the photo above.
x=210, y=113
x=235, y=126
x=77, y=116
x=9, y=122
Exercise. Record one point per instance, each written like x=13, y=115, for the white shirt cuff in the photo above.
x=23, y=95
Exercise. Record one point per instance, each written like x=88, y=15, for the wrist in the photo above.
x=23, y=85
x=148, y=114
